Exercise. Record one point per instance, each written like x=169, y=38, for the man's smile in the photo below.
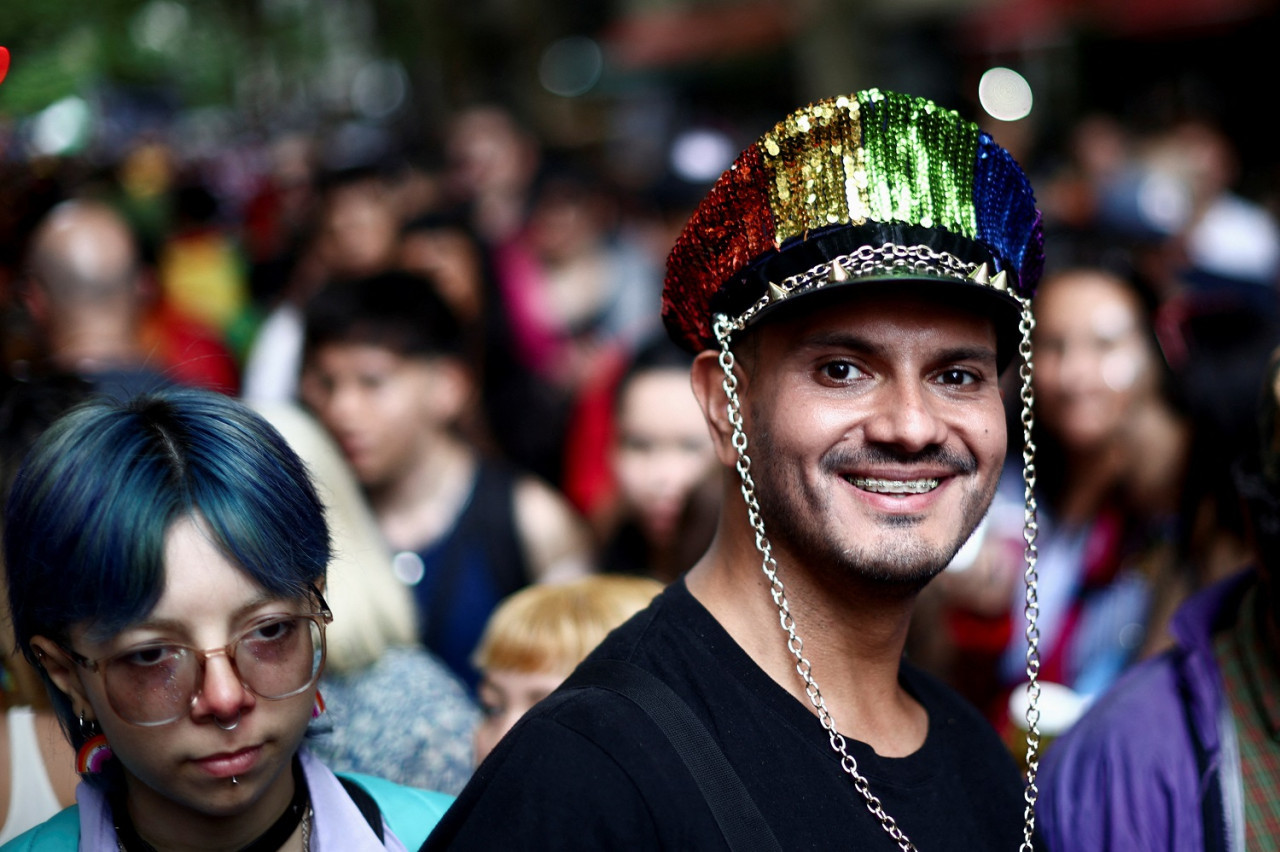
x=893, y=486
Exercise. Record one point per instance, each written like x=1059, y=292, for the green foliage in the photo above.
x=198, y=48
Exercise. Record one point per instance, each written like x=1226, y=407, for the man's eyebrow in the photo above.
x=854, y=343
x=968, y=353
x=840, y=340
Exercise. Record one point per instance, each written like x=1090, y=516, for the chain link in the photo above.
x=724, y=328
x=1031, y=608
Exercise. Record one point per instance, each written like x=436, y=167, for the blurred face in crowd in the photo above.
x=450, y=258
x=1093, y=359
x=506, y=695
x=662, y=451
x=359, y=231
x=384, y=409
x=567, y=222
x=488, y=152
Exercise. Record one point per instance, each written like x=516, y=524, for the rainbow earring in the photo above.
x=95, y=752
x=317, y=709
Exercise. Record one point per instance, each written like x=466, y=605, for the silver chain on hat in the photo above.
x=1031, y=601
x=724, y=328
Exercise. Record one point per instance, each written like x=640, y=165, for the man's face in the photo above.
x=876, y=433
x=378, y=406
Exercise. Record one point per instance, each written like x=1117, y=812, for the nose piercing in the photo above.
x=230, y=727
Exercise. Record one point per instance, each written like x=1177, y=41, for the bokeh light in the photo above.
x=571, y=66
x=1005, y=94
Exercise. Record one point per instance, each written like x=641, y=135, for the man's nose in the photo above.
x=906, y=416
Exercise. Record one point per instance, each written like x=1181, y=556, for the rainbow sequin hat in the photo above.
x=873, y=187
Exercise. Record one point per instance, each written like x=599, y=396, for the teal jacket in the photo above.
x=409, y=813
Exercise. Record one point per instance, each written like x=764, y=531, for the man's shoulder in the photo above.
x=589, y=763
x=644, y=641
x=576, y=757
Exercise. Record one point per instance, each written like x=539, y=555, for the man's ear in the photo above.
x=707, y=379
x=452, y=388
x=62, y=671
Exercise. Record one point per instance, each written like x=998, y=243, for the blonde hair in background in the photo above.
x=372, y=610
x=552, y=627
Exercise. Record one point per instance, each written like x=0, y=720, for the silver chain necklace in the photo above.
x=724, y=328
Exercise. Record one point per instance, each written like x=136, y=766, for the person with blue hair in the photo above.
x=166, y=562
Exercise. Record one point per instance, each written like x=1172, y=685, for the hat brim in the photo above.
x=818, y=248
x=1002, y=309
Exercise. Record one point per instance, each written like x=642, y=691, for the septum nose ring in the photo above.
x=230, y=727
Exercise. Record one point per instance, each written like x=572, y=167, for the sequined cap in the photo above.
x=873, y=186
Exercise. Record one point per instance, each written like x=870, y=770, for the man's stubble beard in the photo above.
x=906, y=566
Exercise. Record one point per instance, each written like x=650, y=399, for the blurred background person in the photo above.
x=1112, y=451
x=384, y=372
x=579, y=293
x=355, y=235
x=664, y=505
x=444, y=249
x=537, y=637
x=490, y=164
x=201, y=270
x=1182, y=754
x=392, y=709
x=37, y=765
x=92, y=303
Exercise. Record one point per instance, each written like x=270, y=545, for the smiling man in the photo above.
x=854, y=286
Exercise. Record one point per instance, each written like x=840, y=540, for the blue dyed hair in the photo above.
x=89, y=511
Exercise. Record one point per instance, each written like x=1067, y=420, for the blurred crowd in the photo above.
x=472, y=342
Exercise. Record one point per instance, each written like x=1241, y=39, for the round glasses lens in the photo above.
x=280, y=658
x=151, y=685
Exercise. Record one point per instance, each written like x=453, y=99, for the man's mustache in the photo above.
x=840, y=459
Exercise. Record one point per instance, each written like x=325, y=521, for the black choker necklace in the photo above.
x=269, y=841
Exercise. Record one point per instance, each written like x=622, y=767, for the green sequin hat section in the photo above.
x=873, y=187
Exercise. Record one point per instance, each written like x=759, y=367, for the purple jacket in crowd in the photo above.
x=1155, y=759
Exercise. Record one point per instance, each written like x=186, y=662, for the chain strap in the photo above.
x=1031, y=607
x=804, y=668
x=724, y=328
x=864, y=262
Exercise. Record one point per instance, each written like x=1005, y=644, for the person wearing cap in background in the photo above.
x=1183, y=753
x=854, y=286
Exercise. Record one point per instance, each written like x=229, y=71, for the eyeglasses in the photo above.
x=155, y=684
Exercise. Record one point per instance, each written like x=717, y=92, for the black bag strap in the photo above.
x=368, y=807
x=735, y=812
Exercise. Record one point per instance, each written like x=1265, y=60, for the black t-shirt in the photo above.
x=587, y=769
